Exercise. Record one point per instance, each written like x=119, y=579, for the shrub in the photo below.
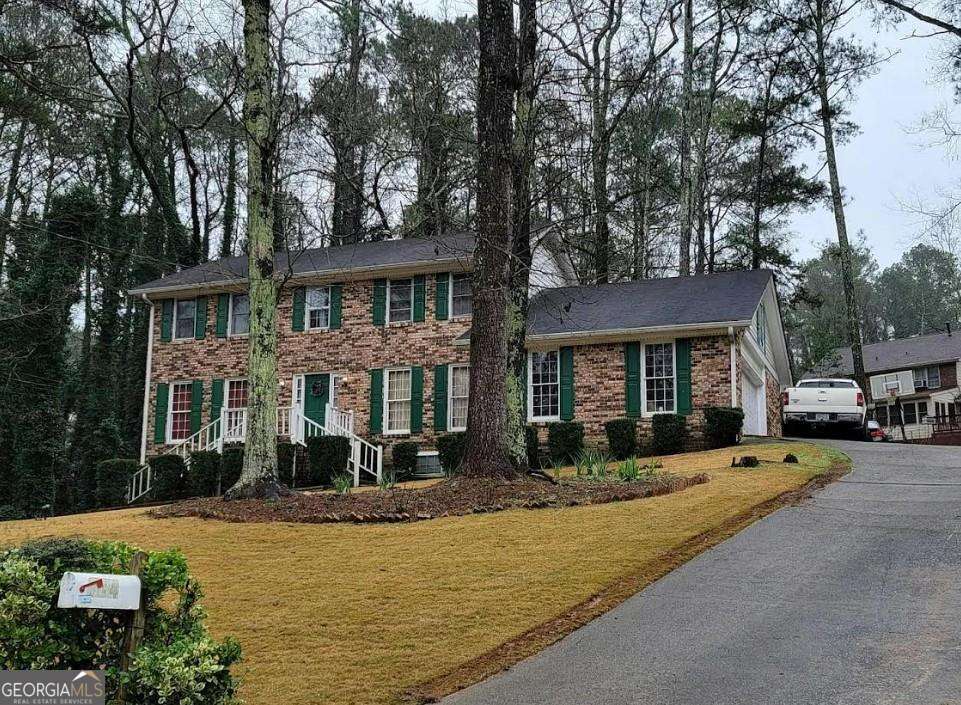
x=112, y=481
x=203, y=476
x=285, y=463
x=621, y=438
x=533, y=444
x=326, y=458
x=450, y=451
x=592, y=463
x=629, y=470
x=343, y=482
x=668, y=434
x=790, y=458
x=169, y=481
x=722, y=425
x=565, y=441
x=178, y=661
x=231, y=465
x=9, y=512
x=404, y=457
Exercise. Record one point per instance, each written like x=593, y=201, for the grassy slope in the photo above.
x=352, y=614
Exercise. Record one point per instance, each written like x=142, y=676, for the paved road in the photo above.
x=853, y=597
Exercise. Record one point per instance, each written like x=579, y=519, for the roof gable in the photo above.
x=892, y=355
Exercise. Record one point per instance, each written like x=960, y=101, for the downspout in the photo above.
x=146, y=384
x=733, y=338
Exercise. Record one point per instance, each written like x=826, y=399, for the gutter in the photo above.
x=614, y=334
x=146, y=383
x=733, y=339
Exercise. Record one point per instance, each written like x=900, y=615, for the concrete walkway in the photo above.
x=853, y=597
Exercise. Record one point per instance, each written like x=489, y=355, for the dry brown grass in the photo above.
x=353, y=614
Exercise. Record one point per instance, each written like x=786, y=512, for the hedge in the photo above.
x=169, y=481
x=113, y=477
x=450, y=451
x=285, y=463
x=565, y=440
x=723, y=424
x=231, y=465
x=326, y=457
x=668, y=434
x=203, y=476
x=621, y=438
x=404, y=457
x=533, y=444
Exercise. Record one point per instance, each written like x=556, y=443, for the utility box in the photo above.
x=99, y=591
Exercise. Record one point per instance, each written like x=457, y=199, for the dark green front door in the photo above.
x=316, y=396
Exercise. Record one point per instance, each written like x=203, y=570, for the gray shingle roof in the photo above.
x=362, y=256
x=893, y=355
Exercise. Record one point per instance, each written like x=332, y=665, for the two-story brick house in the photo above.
x=380, y=331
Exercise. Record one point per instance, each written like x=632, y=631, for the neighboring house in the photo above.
x=922, y=372
x=374, y=343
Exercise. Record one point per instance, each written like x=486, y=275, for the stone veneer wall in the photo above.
x=774, y=426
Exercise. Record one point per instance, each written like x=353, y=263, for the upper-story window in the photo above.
x=239, y=314
x=185, y=317
x=927, y=377
x=659, y=379
x=317, y=302
x=460, y=294
x=760, y=327
x=400, y=300
x=545, y=386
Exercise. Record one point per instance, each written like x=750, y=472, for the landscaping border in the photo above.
x=536, y=639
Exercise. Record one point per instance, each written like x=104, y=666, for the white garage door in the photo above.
x=755, y=413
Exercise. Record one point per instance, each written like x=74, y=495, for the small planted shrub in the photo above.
x=722, y=425
x=203, y=475
x=169, y=479
x=285, y=463
x=668, y=434
x=342, y=483
x=450, y=452
x=326, y=458
x=231, y=464
x=629, y=470
x=565, y=440
x=621, y=438
x=404, y=459
x=112, y=479
x=790, y=458
x=533, y=443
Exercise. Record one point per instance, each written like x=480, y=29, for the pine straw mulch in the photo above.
x=454, y=497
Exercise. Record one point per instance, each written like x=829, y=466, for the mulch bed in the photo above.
x=454, y=497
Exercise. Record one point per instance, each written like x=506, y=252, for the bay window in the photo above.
x=544, y=390
x=659, y=378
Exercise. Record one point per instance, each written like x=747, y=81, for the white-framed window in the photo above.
x=400, y=300
x=457, y=390
x=185, y=318
x=461, y=302
x=544, y=386
x=178, y=416
x=317, y=304
x=239, y=314
x=397, y=388
x=927, y=377
x=760, y=327
x=660, y=384
x=915, y=412
x=235, y=408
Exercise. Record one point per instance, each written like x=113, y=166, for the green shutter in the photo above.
x=525, y=409
x=442, y=296
x=632, y=378
x=416, y=399
x=196, y=404
x=682, y=352
x=300, y=296
x=419, y=298
x=200, y=321
x=216, y=398
x=380, y=302
x=567, y=383
x=160, y=413
x=223, y=310
x=166, y=320
x=440, y=397
x=336, y=297
x=376, y=401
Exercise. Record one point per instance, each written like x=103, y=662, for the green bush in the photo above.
x=668, y=434
x=621, y=438
x=112, y=479
x=169, y=479
x=450, y=451
x=231, y=465
x=285, y=463
x=326, y=458
x=177, y=661
x=722, y=425
x=565, y=440
x=533, y=445
x=203, y=476
x=8, y=512
x=404, y=459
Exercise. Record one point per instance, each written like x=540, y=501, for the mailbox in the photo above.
x=99, y=591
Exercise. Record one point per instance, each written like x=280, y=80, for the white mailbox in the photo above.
x=99, y=591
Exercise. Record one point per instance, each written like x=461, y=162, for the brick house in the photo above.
x=374, y=344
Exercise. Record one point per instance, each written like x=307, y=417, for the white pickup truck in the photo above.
x=825, y=404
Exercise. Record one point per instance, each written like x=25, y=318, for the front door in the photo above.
x=316, y=396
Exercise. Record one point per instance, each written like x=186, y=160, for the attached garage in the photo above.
x=754, y=404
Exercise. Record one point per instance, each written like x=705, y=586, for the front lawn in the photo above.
x=345, y=614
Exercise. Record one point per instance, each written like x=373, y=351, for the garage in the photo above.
x=754, y=405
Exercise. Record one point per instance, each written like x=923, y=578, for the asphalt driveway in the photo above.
x=852, y=597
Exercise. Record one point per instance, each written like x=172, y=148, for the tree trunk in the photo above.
x=230, y=200
x=258, y=479
x=759, y=174
x=11, y=191
x=600, y=156
x=837, y=201
x=487, y=444
x=687, y=90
